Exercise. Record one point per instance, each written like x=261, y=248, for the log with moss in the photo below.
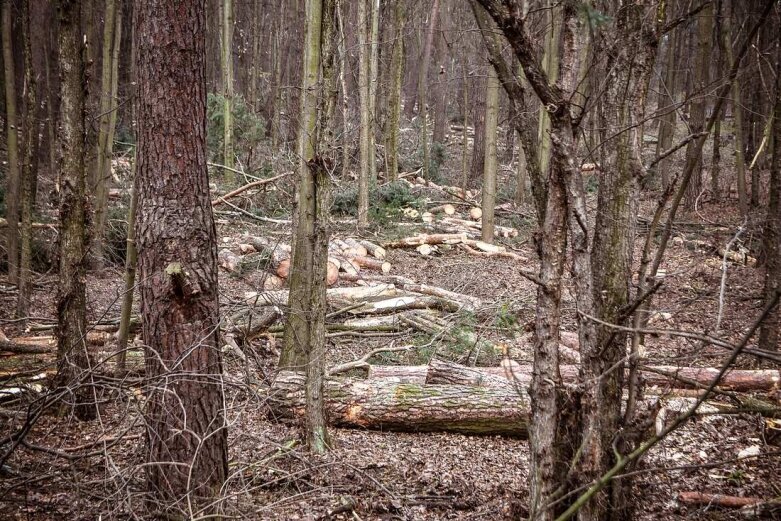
x=387, y=405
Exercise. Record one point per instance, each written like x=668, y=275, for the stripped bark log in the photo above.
x=375, y=250
x=376, y=404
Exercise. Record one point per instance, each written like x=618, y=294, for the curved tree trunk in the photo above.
x=177, y=261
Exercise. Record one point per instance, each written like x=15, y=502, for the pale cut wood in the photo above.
x=423, y=238
x=475, y=213
x=374, y=249
x=447, y=209
x=371, y=263
x=357, y=294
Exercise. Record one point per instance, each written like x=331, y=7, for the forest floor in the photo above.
x=391, y=475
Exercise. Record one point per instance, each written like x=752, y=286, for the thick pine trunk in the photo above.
x=177, y=261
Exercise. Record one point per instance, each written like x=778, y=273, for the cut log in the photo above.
x=406, y=302
x=499, y=231
x=25, y=349
x=475, y=213
x=276, y=251
x=375, y=250
x=355, y=294
x=384, y=405
x=663, y=376
x=447, y=209
x=425, y=249
x=229, y=260
x=505, y=254
x=371, y=263
x=716, y=500
x=469, y=302
x=332, y=272
x=283, y=269
x=423, y=238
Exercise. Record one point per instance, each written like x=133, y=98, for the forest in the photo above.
x=390, y=259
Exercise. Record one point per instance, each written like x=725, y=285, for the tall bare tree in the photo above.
x=186, y=434
x=12, y=133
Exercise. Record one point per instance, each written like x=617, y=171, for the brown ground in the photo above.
x=400, y=475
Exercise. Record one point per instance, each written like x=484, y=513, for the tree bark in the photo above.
x=304, y=337
x=12, y=188
x=397, y=74
x=488, y=200
x=737, y=115
x=365, y=125
x=29, y=172
x=771, y=239
x=72, y=354
x=227, y=83
x=177, y=262
x=700, y=101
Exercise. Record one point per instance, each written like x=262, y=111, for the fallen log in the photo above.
x=384, y=405
x=375, y=250
x=7, y=346
x=717, y=500
x=741, y=380
x=407, y=302
x=279, y=298
x=371, y=263
x=447, y=209
x=247, y=186
x=430, y=239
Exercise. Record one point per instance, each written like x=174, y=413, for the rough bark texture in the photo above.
x=12, y=133
x=771, y=240
x=72, y=354
x=29, y=171
x=377, y=404
x=177, y=260
x=700, y=101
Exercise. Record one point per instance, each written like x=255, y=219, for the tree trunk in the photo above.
x=177, y=262
x=700, y=102
x=304, y=337
x=668, y=119
x=397, y=74
x=440, y=89
x=374, y=32
x=550, y=65
x=227, y=83
x=385, y=405
x=423, y=88
x=490, y=165
x=478, y=144
x=29, y=171
x=72, y=353
x=99, y=178
x=365, y=125
x=12, y=188
x=131, y=260
x=737, y=115
x=771, y=240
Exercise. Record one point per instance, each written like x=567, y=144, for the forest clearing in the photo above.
x=415, y=260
